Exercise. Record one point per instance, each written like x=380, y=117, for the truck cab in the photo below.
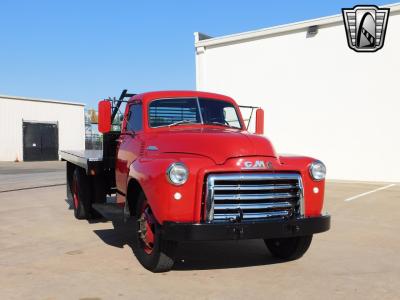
x=187, y=168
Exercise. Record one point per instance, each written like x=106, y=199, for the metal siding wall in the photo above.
x=320, y=98
x=70, y=120
x=8, y=132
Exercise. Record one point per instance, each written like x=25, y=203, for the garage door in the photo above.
x=40, y=141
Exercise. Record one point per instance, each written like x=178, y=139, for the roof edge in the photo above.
x=265, y=32
x=41, y=100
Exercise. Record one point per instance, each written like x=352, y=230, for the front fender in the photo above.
x=151, y=175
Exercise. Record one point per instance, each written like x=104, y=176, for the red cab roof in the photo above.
x=149, y=96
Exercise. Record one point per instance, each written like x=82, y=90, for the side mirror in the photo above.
x=259, y=121
x=104, y=119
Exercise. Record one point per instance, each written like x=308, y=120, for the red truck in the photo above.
x=185, y=168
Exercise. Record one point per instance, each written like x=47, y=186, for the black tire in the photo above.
x=289, y=248
x=81, y=194
x=161, y=258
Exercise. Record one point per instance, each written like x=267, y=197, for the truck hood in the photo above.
x=217, y=144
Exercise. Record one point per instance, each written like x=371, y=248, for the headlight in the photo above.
x=317, y=170
x=177, y=173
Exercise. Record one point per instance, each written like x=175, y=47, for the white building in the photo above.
x=321, y=98
x=36, y=129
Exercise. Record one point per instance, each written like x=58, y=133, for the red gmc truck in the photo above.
x=185, y=168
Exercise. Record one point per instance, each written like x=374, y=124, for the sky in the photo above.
x=86, y=50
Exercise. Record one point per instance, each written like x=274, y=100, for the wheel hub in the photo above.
x=75, y=194
x=146, y=232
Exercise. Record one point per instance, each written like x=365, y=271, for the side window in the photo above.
x=134, y=122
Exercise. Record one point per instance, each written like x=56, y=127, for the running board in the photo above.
x=110, y=211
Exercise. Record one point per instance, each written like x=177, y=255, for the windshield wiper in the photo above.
x=219, y=123
x=182, y=122
x=222, y=124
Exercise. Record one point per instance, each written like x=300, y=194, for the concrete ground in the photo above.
x=46, y=254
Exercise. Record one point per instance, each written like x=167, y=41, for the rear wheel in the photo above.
x=81, y=198
x=289, y=248
x=154, y=253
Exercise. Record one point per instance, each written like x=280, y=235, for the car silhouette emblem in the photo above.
x=365, y=27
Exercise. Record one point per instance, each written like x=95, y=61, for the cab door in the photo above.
x=129, y=146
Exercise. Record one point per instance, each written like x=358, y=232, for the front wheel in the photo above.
x=289, y=248
x=154, y=253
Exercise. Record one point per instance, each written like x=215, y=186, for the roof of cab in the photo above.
x=149, y=96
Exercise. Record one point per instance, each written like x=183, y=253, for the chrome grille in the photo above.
x=252, y=196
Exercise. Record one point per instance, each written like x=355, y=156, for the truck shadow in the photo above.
x=194, y=255
x=98, y=220
x=198, y=255
x=222, y=255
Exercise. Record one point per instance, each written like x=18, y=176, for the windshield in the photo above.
x=181, y=111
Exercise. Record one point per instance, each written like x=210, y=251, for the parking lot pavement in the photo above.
x=22, y=175
x=46, y=254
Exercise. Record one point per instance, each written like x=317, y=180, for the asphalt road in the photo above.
x=46, y=254
x=26, y=175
